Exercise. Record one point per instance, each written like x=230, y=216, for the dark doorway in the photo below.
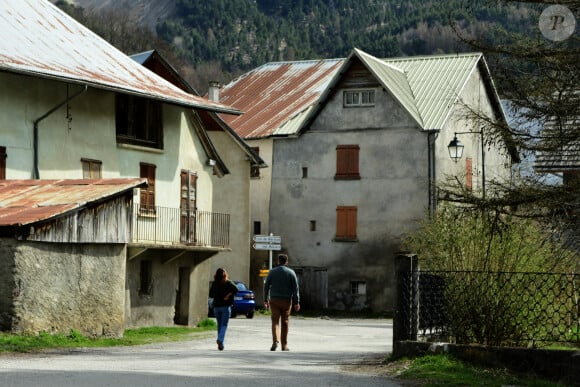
x=182, y=297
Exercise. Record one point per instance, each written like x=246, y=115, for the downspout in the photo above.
x=36, y=174
x=431, y=137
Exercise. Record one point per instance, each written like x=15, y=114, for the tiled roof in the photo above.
x=38, y=39
x=28, y=201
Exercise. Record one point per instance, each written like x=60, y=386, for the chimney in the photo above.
x=214, y=91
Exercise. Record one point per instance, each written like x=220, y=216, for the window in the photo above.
x=3, y=162
x=346, y=223
x=304, y=172
x=255, y=169
x=139, y=121
x=468, y=173
x=257, y=228
x=358, y=287
x=347, y=162
x=147, y=194
x=312, y=225
x=146, y=278
x=358, y=98
x=91, y=169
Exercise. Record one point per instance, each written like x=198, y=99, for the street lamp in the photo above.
x=455, y=148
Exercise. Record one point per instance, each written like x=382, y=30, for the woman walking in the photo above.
x=222, y=291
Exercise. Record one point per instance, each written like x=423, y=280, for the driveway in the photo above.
x=320, y=347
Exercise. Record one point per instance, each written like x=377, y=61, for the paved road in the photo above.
x=318, y=349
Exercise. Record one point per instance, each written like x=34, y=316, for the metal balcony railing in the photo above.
x=174, y=226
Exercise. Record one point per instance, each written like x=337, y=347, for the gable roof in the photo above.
x=280, y=98
x=277, y=95
x=40, y=40
x=24, y=202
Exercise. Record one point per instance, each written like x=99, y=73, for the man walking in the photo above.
x=281, y=293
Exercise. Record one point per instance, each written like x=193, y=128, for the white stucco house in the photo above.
x=74, y=107
x=356, y=148
x=234, y=161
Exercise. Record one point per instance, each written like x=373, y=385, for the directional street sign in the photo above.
x=275, y=239
x=267, y=246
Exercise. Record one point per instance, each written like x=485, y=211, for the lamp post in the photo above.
x=455, y=148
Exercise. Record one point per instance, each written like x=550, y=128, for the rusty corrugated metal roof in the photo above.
x=39, y=39
x=275, y=93
x=28, y=201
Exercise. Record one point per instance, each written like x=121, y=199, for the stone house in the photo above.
x=356, y=147
x=62, y=254
x=74, y=107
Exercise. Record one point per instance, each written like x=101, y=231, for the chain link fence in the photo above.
x=489, y=308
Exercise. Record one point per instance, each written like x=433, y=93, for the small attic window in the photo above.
x=359, y=98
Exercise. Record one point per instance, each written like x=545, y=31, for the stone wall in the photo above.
x=58, y=287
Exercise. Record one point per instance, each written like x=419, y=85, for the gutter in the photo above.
x=35, y=173
x=432, y=135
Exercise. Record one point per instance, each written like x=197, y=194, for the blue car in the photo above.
x=244, y=302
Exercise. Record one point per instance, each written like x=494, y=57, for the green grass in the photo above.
x=444, y=370
x=30, y=343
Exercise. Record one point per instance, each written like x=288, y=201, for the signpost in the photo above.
x=268, y=242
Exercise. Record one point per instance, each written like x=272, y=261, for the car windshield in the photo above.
x=241, y=286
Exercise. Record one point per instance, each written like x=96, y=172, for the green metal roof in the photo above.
x=435, y=83
x=393, y=79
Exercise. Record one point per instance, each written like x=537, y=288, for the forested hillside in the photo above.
x=223, y=38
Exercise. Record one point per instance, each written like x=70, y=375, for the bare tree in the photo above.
x=537, y=72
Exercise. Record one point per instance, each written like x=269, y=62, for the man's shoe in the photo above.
x=285, y=349
x=220, y=345
x=274, y=346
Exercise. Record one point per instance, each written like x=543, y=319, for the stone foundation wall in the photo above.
x=58, y=287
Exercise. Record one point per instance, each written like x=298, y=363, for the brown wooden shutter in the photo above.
x=468, y=173
x=147, y=195
x=2, y=162
x=346, y=217
x=347, y=161
x=255, y=169
x=188, y=206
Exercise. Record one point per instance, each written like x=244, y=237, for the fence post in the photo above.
x=406, y=297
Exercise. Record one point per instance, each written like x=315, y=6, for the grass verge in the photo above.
x=444, y=370
x=29, y=343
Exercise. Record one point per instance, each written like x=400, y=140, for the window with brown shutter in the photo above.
x=468, y=173
x=147, y=195
x=91, y=168
x=2, y=162
x=347, y=162
x=346, y=223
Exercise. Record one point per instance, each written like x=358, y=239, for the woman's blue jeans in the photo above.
x=222, y=316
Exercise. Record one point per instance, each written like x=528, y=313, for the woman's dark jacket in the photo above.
x=219, y=290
